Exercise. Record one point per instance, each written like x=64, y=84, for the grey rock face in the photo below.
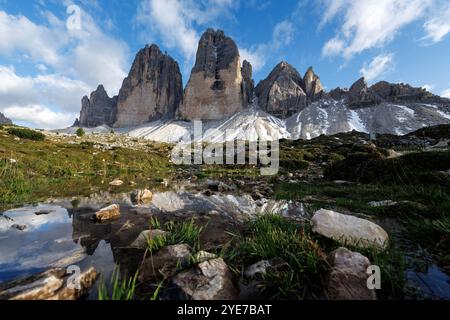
x=313, y=87
x=360, y=95
x=282, y=92
x=249, y=83
x=215, y=88
x=152, y=90
x=97, y=110
x=4, y=120
x=401, y=92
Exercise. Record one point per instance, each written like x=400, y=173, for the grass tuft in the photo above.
x=119, y=289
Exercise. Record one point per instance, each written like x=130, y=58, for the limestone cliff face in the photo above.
x=152, y=90
x=215, y=89
x=249, y=83
x=4, y=120
x=313, y=87
x=281, y=93
x=97, y=110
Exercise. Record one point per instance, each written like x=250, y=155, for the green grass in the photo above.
x=25, y=133
x=118, y=289
x=177, y=233
x=55, y=169
x=272, y=236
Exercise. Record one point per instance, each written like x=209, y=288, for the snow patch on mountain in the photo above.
x=326, y=116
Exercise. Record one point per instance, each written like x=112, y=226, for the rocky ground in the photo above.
x=339, y=204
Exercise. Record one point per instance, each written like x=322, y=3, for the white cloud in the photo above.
x=378, y=66
x=70, y=63
x=40, y=116
x=49, y=90
x=175, y=21
x=446, y=93
x=282, y=35
x=428, y=87
x=439, y=26
x=369, y=23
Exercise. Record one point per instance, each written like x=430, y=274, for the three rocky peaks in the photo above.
x=219, y=87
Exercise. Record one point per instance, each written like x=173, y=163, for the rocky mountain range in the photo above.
x=222, y=92
x=4, y=120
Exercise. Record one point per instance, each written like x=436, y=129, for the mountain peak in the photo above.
x=4, y=119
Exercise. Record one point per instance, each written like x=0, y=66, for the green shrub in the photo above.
x=80, y=132
x=25, y=133
x=413, y=168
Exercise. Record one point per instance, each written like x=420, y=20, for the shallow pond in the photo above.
x=60, y=233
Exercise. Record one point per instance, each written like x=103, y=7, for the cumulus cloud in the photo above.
x=369, y=23
x=40, y=116
x=175, y=21
x=70, y=63
x=46, y=91
x=377, y=67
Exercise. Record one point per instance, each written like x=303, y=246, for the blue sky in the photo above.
x=48, y=60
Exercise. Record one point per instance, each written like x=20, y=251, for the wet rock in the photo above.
x=141, y=241
x=20, y=227
x=53, y=284
x=349, y=229
x=87, y=280
x=203, y=256
x=211, y=280
x=116, y=183
x=43, y=212
x=348, y=276
x=164, y=262
x=258, y=268
x=141, y=196
x=108, y=213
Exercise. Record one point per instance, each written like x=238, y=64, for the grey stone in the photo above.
x=164, y=262
x=349, y=229
x=141, y=241
x=212, y=280
x=348, y=276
